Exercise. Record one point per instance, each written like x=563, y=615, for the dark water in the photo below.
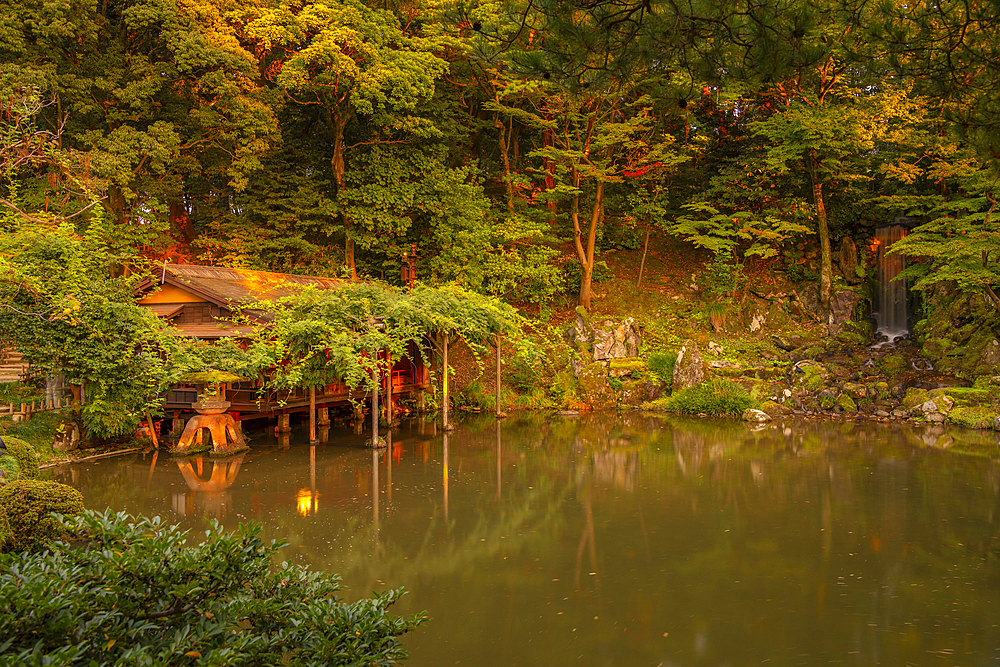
x=606, y=540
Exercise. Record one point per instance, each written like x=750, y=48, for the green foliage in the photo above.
x=474, y=397
x=715, y=397
x=24, y=463
x=134, y=592
x=28, y=505
x=572, y=272
x=661, y=365
x=737, y=235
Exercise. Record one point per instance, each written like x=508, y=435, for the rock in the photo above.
x=757, y=323
x=900, y=414
x=753, y=415
x=935, y=417
x=67, y=436
x=989, y=360
x=846, y=403
x=782, y=343
x=595, y=388
x=849, y=260
x=689, y=369
x=653, y=391
x=841, y=308
x=577, y=366
x=715, y=348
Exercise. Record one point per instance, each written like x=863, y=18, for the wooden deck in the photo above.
x=248, y=402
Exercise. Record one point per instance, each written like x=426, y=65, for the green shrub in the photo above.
x=661, y=365
x=24, y=458
x=133, y=593
x=28, y=505
x=717, y=397
x=475, y=397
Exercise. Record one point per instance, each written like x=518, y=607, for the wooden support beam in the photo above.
x=312, y=414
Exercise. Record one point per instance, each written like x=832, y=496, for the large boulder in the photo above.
x=689, y=369
x=67, y=436
x=604, y=339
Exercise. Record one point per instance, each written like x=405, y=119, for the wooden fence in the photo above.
x=22, y=411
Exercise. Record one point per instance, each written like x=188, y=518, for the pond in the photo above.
x=626, y=540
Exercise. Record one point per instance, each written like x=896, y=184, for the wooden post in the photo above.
x=375, y=383
x=388, y=387
x=444, y=386
x=498, y=375
x=312, y=414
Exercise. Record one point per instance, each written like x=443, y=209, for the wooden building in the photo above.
x=198, y=301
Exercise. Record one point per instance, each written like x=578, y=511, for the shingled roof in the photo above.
x=225, y=286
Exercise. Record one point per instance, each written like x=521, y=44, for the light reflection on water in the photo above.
x=626, y=540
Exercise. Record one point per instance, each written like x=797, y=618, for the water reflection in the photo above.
x=627, y=541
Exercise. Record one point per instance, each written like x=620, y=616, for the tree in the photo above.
x=134, y=590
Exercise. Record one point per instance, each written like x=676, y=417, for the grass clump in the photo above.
x=661, y=365
x=716, y=397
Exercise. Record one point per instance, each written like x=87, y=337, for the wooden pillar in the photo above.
x=498, y=375
x=388, y=387
x=312, y=414
x=444, y=385
x=375, y=383
x=284, y=423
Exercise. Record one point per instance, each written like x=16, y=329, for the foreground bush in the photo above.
x=27, y=506
x=717, y=397
x=20, y=461
x=129, y=592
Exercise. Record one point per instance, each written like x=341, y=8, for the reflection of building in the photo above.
x=198, y=301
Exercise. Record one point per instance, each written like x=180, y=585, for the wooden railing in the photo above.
x=21, y=411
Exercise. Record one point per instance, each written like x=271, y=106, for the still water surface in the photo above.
x=626, y=540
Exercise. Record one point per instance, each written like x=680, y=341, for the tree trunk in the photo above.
x=826, y=258
x=642, y=264
x=586, y=255
x=505, y=154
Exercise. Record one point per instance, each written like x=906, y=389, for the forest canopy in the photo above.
x=512, y=143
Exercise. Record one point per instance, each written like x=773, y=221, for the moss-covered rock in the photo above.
x=627, y=366
x=914, y=398
x=893, y=364
x=810, y=375
x=846, y=403
x=28, y=504
x=594, y=387
x=935, y=348
x=973, y=417
x=880, y=391
x=827, y=402
x=774, y=409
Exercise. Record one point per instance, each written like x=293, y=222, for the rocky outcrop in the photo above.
x=605, y=339
x=689, y=369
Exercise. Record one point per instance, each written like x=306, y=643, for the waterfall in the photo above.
x=889, y=308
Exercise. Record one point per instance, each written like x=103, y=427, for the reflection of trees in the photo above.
x=729, y=534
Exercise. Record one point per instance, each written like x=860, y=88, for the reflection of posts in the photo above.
x=445, y=474
x=227, y=438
